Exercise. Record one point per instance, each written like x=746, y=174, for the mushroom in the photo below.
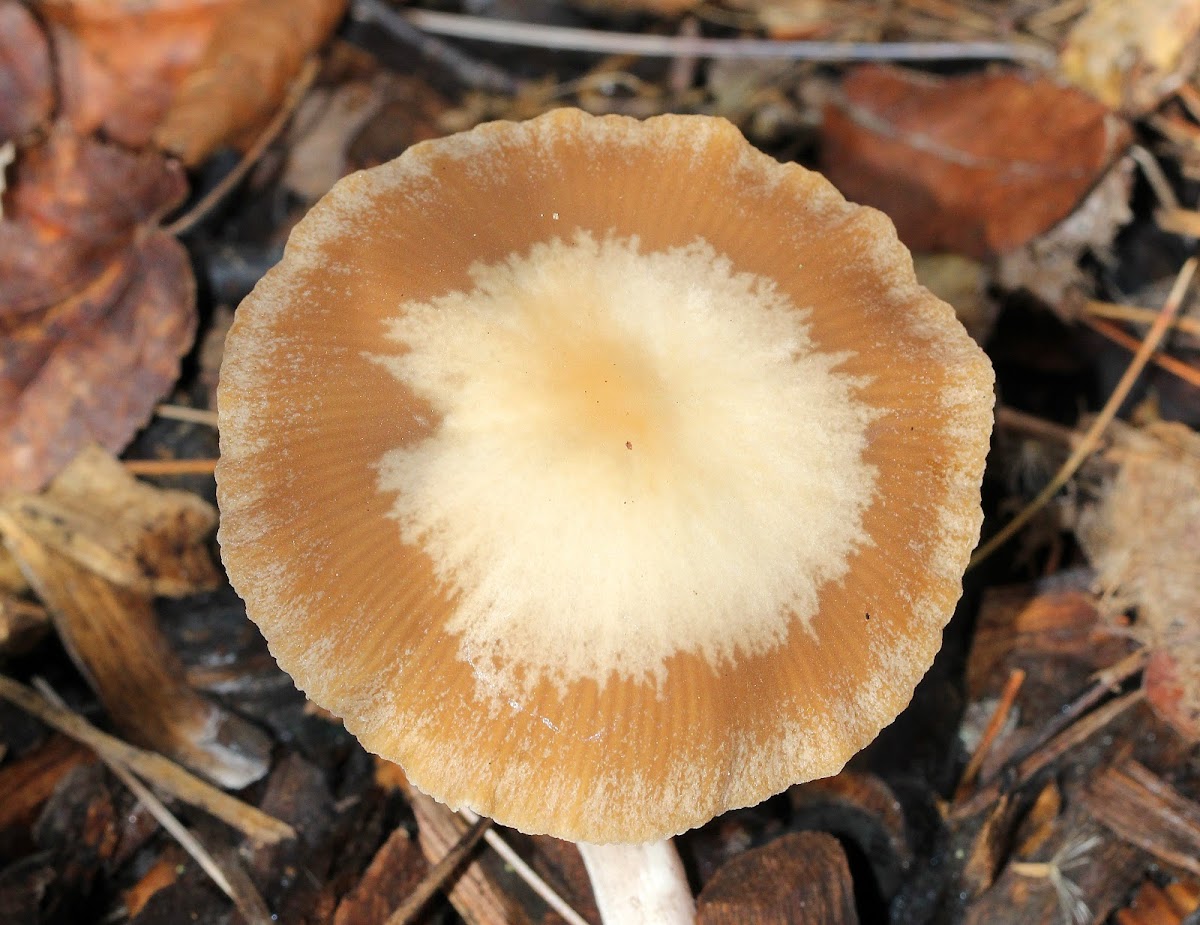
x=604, y=474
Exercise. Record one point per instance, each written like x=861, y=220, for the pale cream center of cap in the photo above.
x=637, y=455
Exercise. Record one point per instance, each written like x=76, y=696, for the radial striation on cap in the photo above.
x=604, y=474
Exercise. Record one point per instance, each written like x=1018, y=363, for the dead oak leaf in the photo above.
x=96, y=305
x=976, y=165
x=74, y=206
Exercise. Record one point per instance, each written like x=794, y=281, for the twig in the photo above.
x=295, y=93
x=440, y=873
x=1022, y=422
x=478, y=75
x=496, y=841
x=1049, y=753
x=170, y=466
x=1155, y=177
x=1081, y=452
x=1104, y=682
x=159, y=771
x=996, y=723
x=536, y=35
x=187, y=415
x=1190, y=98
x=1137, y=315
x=1188, y=373
x=248, y=902
x=1183, y=222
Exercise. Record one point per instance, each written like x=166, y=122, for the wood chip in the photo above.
x=392, y=875
x=1146, y=811
x=802, y=877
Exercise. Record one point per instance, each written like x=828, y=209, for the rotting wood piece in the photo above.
x=94, y=547
x=474, y=894
x=801, y=877
x=1036, y=888
x=863, y=811
x=391, y=876
x=162, y=772
x=28, y=782
x=1146, y=811
x=1174, y=904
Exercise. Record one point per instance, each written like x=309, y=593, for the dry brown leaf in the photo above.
x=1143, y=537
x=120, y=61
x=96, y=306
x=320, y=134
x=1132, y=55
x=26, y=79
x=974, y=165
x=75, y=206
x=255, y=51
x=359, y=123
x=1048, y=266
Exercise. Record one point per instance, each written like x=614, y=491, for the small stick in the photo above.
x=1012, y=419
x=526, y=873
x=441, y=872
x=250, y=904
x=1183, y=222
x=1049, y=753
x=187, y=415
x=161, y=772
x=1186, y=372
x=1137, y=315
x=1191, y=100
x=535, y=35
x=170, y=466
x=1091, y=438
x=478, y=75
x=1155, y=177
x=1104, y=682
x=998, y=718
x=295, y=93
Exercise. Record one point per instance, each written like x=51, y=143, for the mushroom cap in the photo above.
x=604, y=474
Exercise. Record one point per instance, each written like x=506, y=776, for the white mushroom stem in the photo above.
x=639, y=884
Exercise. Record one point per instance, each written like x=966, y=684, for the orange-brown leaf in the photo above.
x=255, y=51
x=976, y=165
